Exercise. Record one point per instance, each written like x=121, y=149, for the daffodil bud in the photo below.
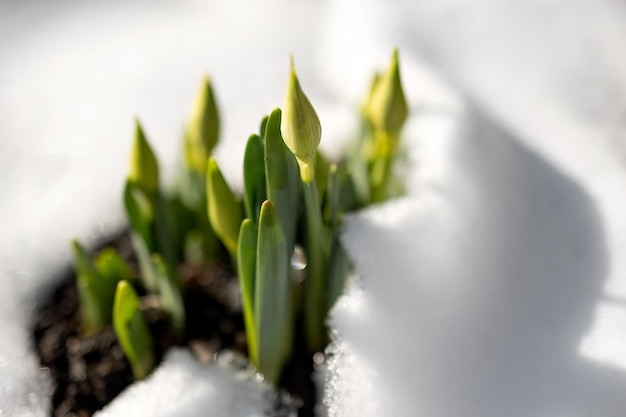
x=300, y=126
x=144, y=169
x=365, y=107
x=203, y=129
x=224, y=211
x=387, y=108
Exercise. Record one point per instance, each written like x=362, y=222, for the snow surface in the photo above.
x=182, y=387
x=482, y=292
x=502, y=272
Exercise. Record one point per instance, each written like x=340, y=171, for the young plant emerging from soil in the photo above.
x=281, y=236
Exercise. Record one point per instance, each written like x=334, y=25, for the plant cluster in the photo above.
x=282, y=234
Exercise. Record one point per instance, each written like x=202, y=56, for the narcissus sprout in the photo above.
x=293, y=202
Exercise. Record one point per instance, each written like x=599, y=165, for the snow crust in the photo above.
x=183, y=387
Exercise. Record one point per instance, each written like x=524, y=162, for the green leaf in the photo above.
x=348, y=195
x=263, y=126
x=140, y=212
x=273, y=296
x=339, y=266
x=169, y=294
x=144, y=169
x=191, y=214
x=365, y=106
x=224, y=211
x=321, y=173
x=203, y=130
x=283, y=181
x=153, y=220
x=246, y=266
x=357, y=162
x=111, y=267
x=316, y=245
x=332, y=199
x=255, y=192
x=164, y=230
x=148, y=275
x=191, y=188
x=339, y=194
x=95, y=298
x=132, y=330
x=194, y=247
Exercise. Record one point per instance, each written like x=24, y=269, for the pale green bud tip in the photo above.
x=300, y=126
x=212, y=166
x=268, y=216
x=370, y=94
x=203, y=128
x=388, y=108
x=144, y=169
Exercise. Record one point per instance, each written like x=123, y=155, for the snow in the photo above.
x=502, y=272
x=492, y=272
x=181, y=387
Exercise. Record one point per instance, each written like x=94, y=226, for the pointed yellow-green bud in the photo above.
x=203, y=129
x=224, y=211
x=370, y=94
x=144, y=168
x=300, y=126
x=132, y=330
x=387, y=108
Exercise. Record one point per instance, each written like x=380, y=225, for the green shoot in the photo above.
x=300, y=127
x=386, y=111
x=246, y=266
x=96, y=286
x=255, y=189
x=281, y=170
x=132, y=330
x=169, y=294
x=144, y=169
x=317, y=249
x=273, y=296
x=203, y=129
x=293, y=197
x=140, y=213
x=111, y=267
x=301, y=131
x=224, y=210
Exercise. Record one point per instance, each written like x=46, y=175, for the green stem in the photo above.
x=380, y=173
x=317, y=261
x=380, y=168
x=162, y=225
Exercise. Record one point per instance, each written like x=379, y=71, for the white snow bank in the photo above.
x=24, y=390
x=503, y=273
x=479, y=292
x=182, y=387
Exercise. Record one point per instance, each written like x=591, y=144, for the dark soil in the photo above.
x=91, y=370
